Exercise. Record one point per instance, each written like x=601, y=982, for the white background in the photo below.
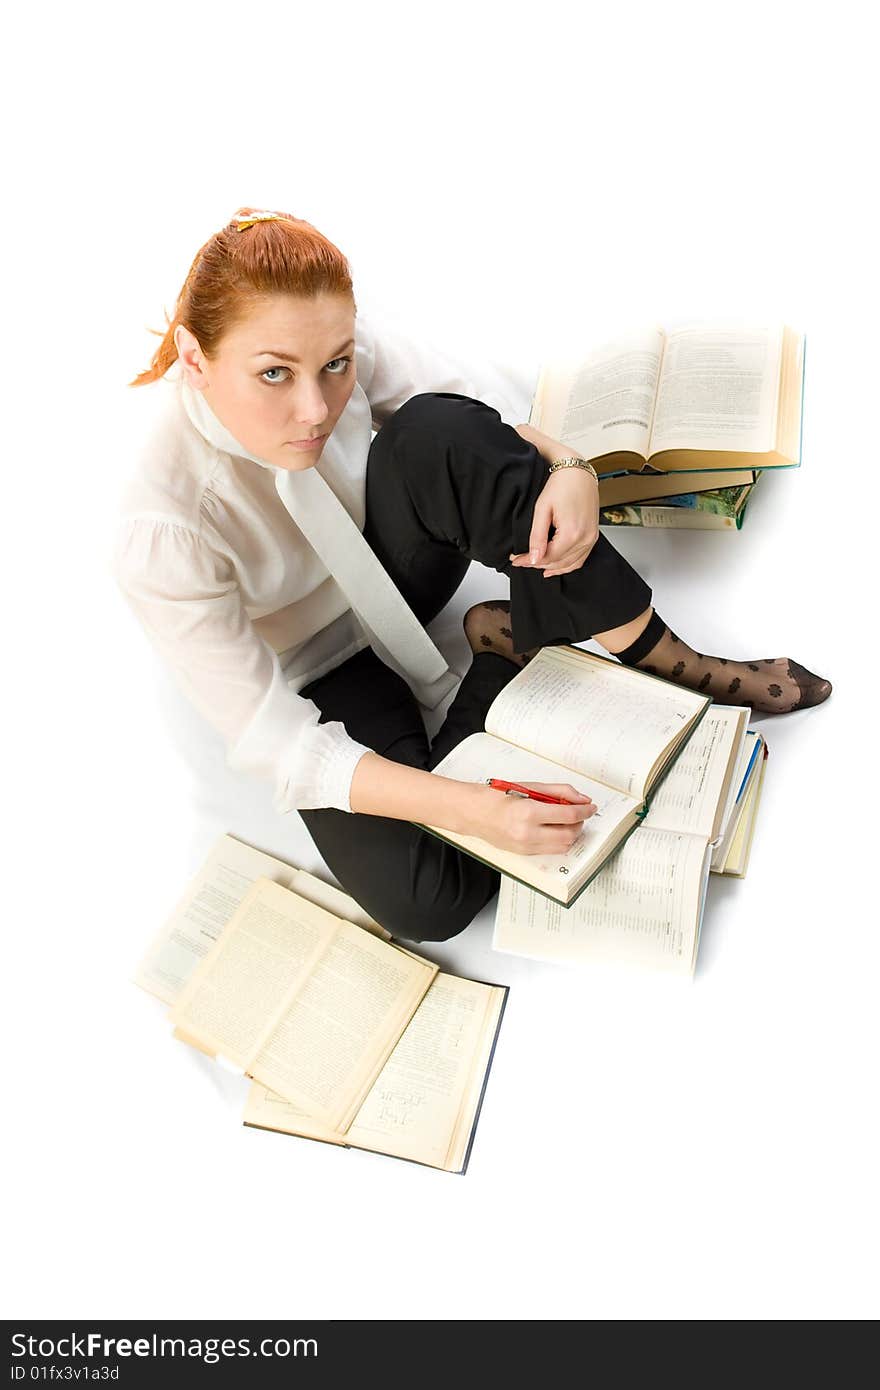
x=497, y=176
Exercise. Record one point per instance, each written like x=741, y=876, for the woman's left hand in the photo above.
x=570, y=502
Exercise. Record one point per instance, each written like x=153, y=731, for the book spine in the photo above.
x=479, y=1106
x=715, y=509
x=669, y=518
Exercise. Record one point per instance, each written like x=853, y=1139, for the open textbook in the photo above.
x=646, y=905
x=372, y=1046
x=208, y=902
x=425, y=1102
x=609, y=730
x=701, y=397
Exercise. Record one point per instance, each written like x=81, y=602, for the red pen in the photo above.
x=500, y=786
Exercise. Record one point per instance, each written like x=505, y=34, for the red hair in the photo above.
x=235, y=269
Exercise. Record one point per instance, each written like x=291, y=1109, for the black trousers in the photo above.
x=448, y=482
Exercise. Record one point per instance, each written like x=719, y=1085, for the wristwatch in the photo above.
x=574, y=463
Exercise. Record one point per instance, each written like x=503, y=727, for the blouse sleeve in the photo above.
x=391, y=367
x=187, y=599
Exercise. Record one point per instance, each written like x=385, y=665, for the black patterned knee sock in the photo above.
x=487, y=627
x=771, y=685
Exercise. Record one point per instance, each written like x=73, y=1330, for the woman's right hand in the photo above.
x=518, y=824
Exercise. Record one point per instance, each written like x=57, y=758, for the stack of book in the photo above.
x=346, y=1036
x=680, y=425
x=677, y=780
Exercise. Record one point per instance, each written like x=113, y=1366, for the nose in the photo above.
x=309, y=406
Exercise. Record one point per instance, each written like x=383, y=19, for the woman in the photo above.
x=285, y=566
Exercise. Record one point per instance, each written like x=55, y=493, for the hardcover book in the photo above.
x=702, y=397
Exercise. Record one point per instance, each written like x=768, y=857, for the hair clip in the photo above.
x=245, y=222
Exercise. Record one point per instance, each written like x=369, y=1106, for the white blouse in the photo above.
x=227, y=588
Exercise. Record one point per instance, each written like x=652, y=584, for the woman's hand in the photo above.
x=569, y=502
x=529, y=827
x=381, y=787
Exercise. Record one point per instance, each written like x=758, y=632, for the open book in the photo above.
x=425, y=1101
x=609, y=730
x=208, y=902
x=646, y=905
x=703, y=397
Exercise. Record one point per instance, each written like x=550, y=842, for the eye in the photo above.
x=345, y=361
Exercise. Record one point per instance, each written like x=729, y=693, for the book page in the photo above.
x=426, y=1094
x=599, y=718
x=424, y=1098
x=270, y=944
x=603, y=403
x=791, y=391
x=422, y=1104
x=325, y=895
x=265, y=1109
x=209, y=901
x=736, y=859
x=748, y=769
x=327, y=1048
x=643, y=908
x=697, y=793
x=480, y=756
x=719, y=389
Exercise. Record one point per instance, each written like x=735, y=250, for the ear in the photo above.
x=189, y=355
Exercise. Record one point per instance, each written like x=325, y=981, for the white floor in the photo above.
x=646, y=1148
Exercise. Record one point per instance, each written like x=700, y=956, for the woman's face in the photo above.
x=270, y=403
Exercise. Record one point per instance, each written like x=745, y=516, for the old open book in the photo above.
x=353, y=1040
x=702, y=397
x=645, y=907
x=424, y=1104
x=610, y=731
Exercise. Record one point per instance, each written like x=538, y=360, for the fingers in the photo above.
x=576, y=564
x=562, y=555
x=556, y=550
x=548, y=813
x=542, y=519
x=552, y=553
x=567, y=567
x=558, y=789
x=546, y=839
x=555, y=839
x=540, y=827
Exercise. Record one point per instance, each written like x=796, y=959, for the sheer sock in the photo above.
x=487, y=628
x=771, y=685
